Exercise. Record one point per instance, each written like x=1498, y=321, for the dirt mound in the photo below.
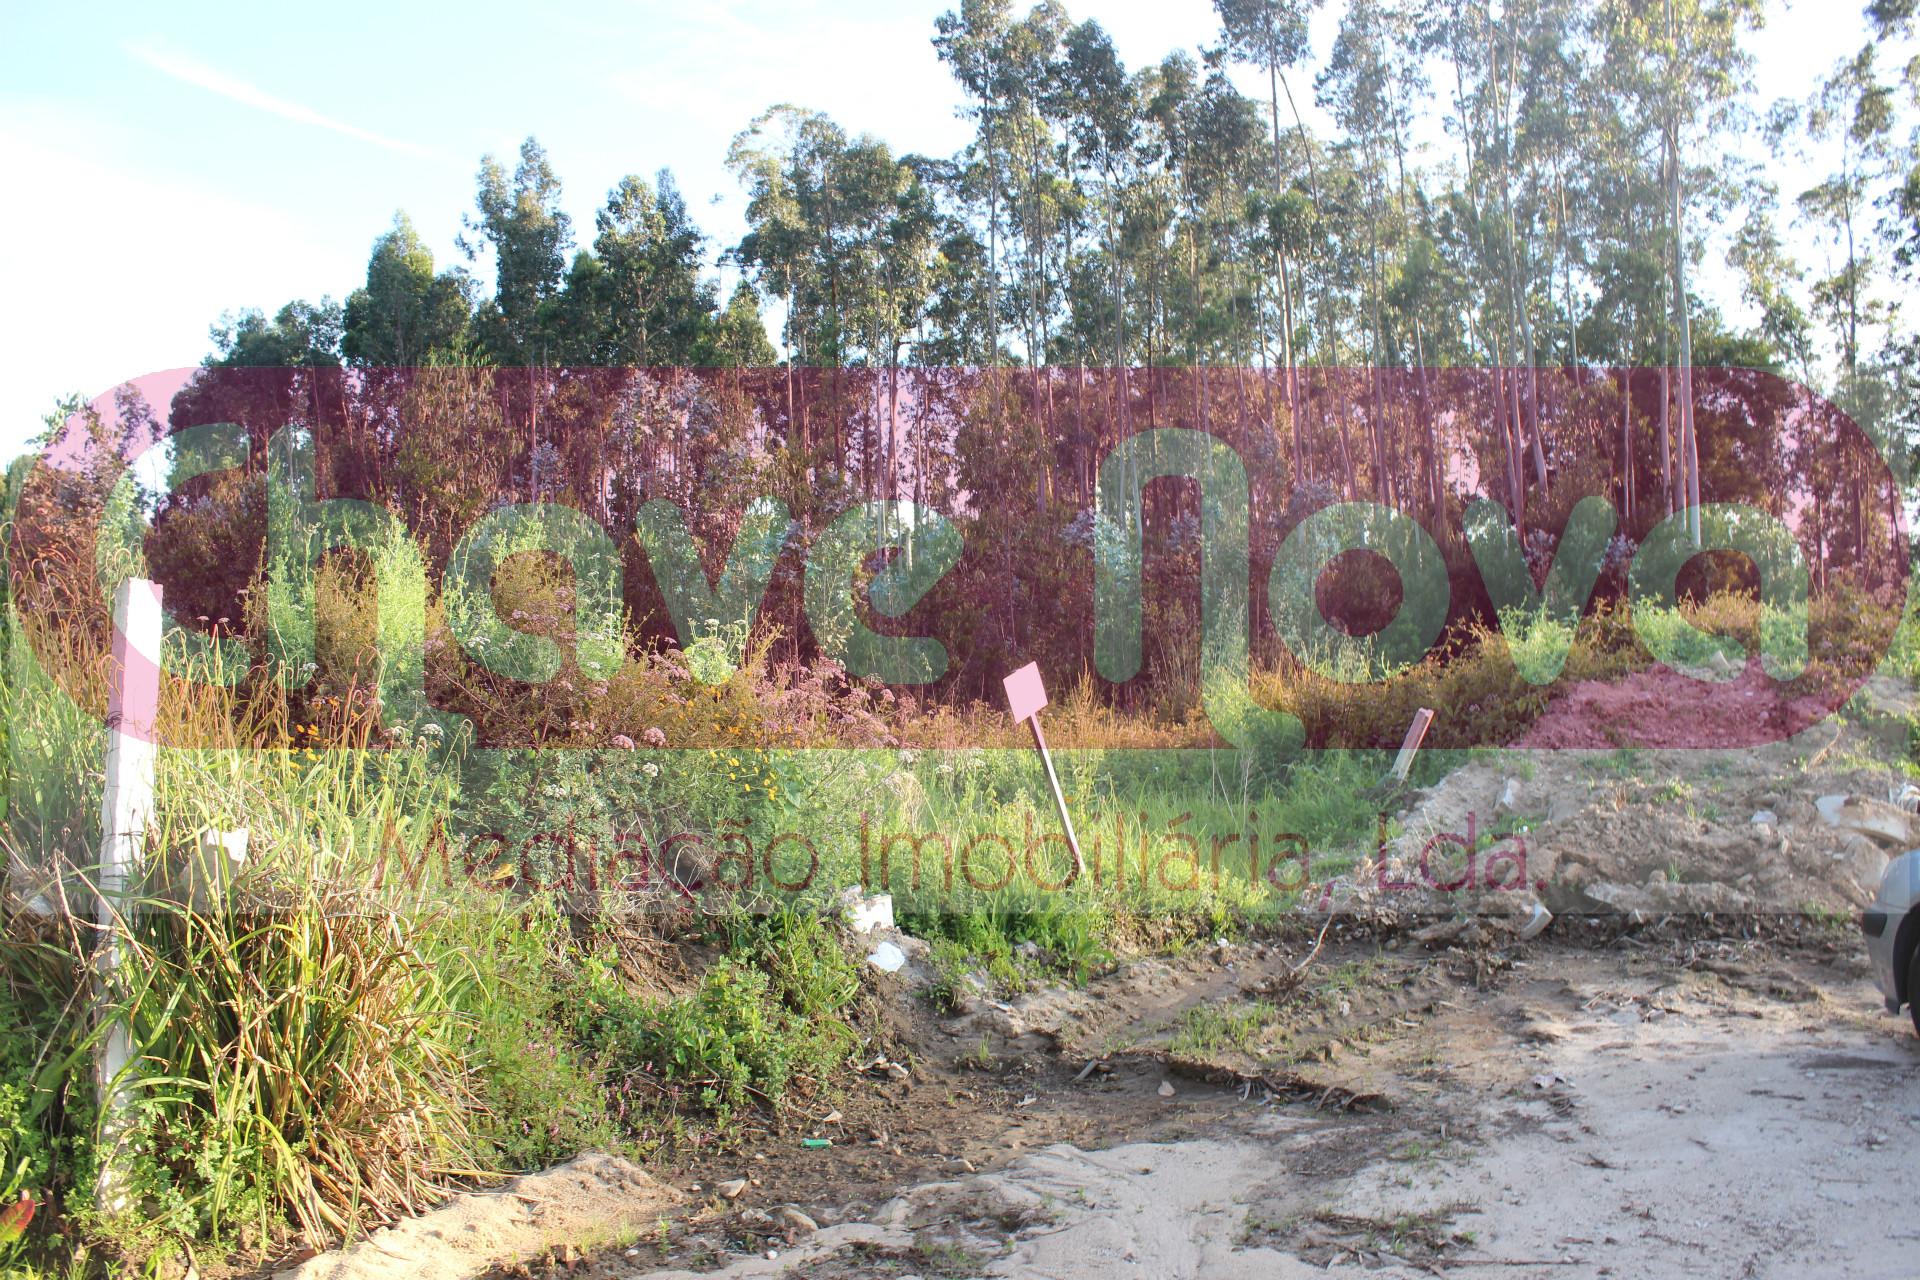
x=1647, y=832
x=1664, y=708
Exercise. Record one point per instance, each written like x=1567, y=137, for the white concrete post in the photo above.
x=125, y=810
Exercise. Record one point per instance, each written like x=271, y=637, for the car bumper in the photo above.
x=1881, y=925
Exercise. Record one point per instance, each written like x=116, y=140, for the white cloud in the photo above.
x=212, y=80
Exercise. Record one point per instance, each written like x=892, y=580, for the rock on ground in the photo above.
x=588, y=1199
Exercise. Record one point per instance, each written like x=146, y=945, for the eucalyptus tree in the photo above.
x=1896, y=20
x=1850, y=118
x=1865, y=209
x=788, y=161
x=891, y=223
x=1102, y=111
x=1272, y=34
x=643, y=300
x=968, y=40
x=1224, y=162
x=1769, y=277
x=1367, y=88
x=520, y=220
x=1684, y=72
x=1027, y=66
x=405, y=312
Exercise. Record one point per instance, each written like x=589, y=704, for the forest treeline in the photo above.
x=1521, y=184
x=1528, y=191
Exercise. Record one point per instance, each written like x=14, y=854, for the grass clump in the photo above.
x=304, y=1037
x=1209, y=1028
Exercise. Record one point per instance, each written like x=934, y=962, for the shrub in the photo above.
x=761, y=1021
x=537, y=1094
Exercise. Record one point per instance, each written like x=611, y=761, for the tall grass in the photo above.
x=300, y=1036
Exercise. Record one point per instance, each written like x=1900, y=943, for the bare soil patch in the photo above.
x=1650, y=1102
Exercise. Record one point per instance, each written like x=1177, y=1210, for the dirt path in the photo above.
x=1663, y=1131
x=1707, y=1109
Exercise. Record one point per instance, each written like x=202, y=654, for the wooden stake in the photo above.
x=1416, y=734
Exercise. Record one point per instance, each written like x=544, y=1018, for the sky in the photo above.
x=171, y=163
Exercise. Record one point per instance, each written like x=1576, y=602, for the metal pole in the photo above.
x=1026, y=695
x=1059, y=800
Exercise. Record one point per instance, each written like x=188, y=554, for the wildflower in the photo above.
x=623, y=742
x=655, y=737
x=651, y=769
x=431, y=730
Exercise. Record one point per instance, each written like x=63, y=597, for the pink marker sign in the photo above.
x=1025, y=694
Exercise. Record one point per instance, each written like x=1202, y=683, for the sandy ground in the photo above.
x=583, y=1202
x=1588, y=1117
x=1601, y=1102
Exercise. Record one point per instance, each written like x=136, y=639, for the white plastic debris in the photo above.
x=887, y=958
x=217, y=860
x=867, y=912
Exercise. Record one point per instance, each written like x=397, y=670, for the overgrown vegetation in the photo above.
x=378, y=1008
x=485, y=922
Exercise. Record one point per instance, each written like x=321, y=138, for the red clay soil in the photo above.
x=1663, y=708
